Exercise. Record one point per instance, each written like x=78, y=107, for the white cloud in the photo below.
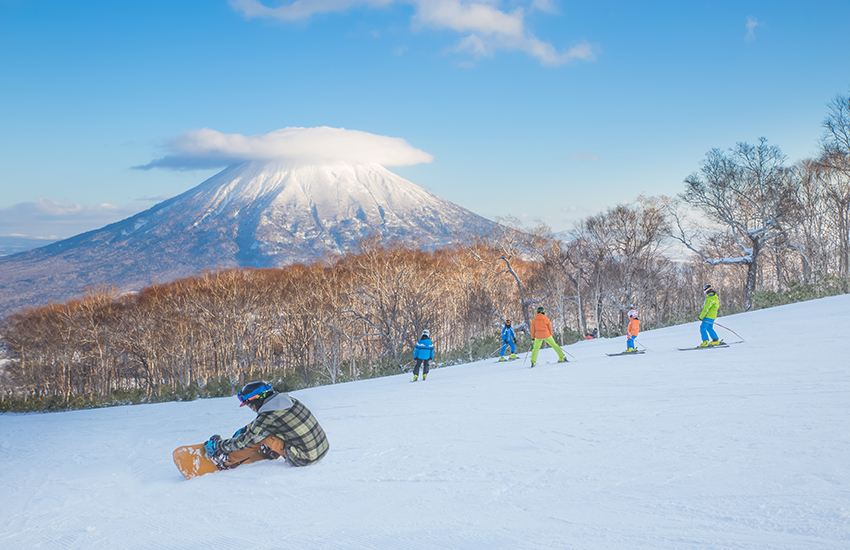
x=752, y=23
x=484, y=27
x=546, y=6
x=208, y=148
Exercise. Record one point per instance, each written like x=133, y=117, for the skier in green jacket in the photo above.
x=707, y=316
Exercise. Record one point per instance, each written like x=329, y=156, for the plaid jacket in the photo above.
x=304, y=439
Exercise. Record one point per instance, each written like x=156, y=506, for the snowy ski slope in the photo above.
x=742, y=447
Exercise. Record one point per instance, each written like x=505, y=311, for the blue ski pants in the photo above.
x=706, y=329
x=505, y=344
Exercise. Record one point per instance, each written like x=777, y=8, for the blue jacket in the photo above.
x=508, y=334
x=424, y=349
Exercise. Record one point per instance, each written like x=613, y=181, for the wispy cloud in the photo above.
x=484, y=26
x=752, y=23
x=206, y=148
x=302, y=9
x=53, y=219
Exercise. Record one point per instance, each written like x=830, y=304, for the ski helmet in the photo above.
x=508, y=322
x=632, y=314
x=426, y=332
x=541, y=309
x=254, y=391
x=707, y=288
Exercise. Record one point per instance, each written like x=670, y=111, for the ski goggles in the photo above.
x=262, y=390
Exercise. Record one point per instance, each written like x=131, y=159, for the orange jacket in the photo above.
x=541, y=328
x=634, y=328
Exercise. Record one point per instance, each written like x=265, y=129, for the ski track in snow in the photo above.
x=745, y=448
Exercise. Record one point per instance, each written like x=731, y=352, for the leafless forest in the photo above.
x=760, y=231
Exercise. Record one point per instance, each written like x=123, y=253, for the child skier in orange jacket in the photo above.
x=632, y=331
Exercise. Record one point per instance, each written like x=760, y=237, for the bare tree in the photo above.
x=626, y=244
x=749, y=194
x=509, y=242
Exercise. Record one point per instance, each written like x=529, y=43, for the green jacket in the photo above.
x=709, y=309
x=286, y=417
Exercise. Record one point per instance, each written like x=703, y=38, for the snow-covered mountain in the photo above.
x=255, y=214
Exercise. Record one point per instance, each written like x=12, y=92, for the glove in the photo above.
x=504, y=341
x=240, y=431
x=213, y=446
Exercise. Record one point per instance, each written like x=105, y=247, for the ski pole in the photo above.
x=526, y=353
x=644, y=347
x=405, y=365
x=730, y=330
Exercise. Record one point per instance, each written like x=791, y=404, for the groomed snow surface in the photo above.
x=742, y=447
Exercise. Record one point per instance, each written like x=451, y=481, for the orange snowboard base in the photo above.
x=192, y=461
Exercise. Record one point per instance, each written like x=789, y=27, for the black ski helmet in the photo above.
x=707, y=288
x=541, y=310
x=255, y=392
x=507, y=322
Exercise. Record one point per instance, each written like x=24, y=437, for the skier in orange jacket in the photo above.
x=633, y=330
x=541, y=331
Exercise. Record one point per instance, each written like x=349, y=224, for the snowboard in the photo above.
x=192, y=461
x=638, y=352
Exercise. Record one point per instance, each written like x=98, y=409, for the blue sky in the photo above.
x=540, y=109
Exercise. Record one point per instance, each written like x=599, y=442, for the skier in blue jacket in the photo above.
x=423, y=352
x=508, y=339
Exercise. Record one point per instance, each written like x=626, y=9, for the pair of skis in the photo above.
x=723, y=345
x=638, y=352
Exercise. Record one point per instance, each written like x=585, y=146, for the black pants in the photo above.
x=416, y=368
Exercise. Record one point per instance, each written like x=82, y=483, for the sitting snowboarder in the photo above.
x=284, y=428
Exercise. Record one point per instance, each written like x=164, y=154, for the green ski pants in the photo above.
x=551, y=341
